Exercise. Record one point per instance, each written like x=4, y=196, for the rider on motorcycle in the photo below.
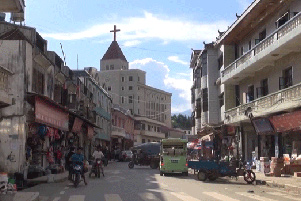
x=78, y=158
x=97, y=154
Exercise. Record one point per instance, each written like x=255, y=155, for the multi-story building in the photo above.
x=97, y=103
x=128, y=89
x=261, y=74
x=123, y=128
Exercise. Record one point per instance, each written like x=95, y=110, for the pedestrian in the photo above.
x=68, y=161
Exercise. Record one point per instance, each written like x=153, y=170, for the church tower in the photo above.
x=114, y=58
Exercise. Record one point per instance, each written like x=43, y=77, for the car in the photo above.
x=126, y=155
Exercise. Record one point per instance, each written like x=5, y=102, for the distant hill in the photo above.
x=185, y=113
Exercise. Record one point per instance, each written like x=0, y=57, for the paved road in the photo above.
x=142, y=183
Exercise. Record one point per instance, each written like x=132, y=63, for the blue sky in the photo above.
x=156, y=36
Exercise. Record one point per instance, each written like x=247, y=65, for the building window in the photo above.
x=122, y=99
x=130, y=87
x=138, y=79
x=122, y=79
x=38, y=82
x=250, y=94
x=263, y=90
x=138, y=111
x=262, y=35
x=149, y=127
x=220, y=61
x=250, y=45
x=287, y=78
x=237, y=95
x=148, y=140
x=107, y=67
x=122, y=88
x=130, y=99
x=111, y=67
x=221, y=99
x=205, y=99
x=130, y=78
x=138, y=88
x=241, y=51
x=282, y=20
x=198, y=108
x=143, y=140
x=138, y=99
x=109, y=88
x=143, y=126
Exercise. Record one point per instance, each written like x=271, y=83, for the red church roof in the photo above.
x=114, y=52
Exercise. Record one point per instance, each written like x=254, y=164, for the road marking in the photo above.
x=218, y=196
x=56, y=198
x=284, y=195
x=62, y=192
x=254, y=196
x=148, y=196
x=112, y=197
x=184, y=196
x=77, y=198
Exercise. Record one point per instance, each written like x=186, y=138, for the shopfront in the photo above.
x=47, y=135
x=288, y=128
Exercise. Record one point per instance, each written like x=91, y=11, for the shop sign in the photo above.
x=263, y=126
x=50, y=115
x=287, y=122
x=90, y=132
x=77, y=125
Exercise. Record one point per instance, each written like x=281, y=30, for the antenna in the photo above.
x=63, y=54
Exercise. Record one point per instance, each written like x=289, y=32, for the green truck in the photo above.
x=173, y=156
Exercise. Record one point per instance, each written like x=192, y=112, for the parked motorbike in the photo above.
x=76, y=174
x=97, y=168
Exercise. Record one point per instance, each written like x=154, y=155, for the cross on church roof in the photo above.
x=115, y=30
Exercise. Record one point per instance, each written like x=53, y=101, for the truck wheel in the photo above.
x=161, y=173
x=202, y=176
x=249, y=176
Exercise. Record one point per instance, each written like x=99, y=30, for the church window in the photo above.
x=122, y=79
x=130, y=87
x=131, y=78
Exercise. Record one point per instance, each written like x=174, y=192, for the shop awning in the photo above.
x=102, y=136
x=263, y=126
x=287, y=122
x=77, y=125
x=100, y=111
x=208, y=137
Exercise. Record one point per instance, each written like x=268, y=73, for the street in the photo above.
x=144, y=183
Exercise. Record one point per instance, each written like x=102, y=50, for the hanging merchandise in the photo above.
x=50, y=156
x=42, y=132
x=56, y=134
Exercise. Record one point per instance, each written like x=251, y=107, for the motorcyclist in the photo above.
x=97, y=154
x=78, y=158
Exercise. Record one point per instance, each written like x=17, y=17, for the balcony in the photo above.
x=283, y=100
x=117, y=131
x=12, y=6
x=151, y=134
x=5, y=75
x=281, y=42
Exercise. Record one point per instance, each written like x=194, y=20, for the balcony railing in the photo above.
x=285, y=29
x=281, y=100
x=153, y=134
x=117, y=131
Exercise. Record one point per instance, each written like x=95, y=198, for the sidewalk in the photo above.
x=54, y=178
x=288, y=183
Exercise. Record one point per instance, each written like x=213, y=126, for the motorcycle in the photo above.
x=76, y=174
x=97, y=167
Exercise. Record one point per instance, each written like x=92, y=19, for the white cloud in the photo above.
x=177, y=60
x=149, y=26
x=131, y=43
x=162, y=79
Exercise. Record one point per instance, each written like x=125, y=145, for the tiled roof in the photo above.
x=114, y=52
